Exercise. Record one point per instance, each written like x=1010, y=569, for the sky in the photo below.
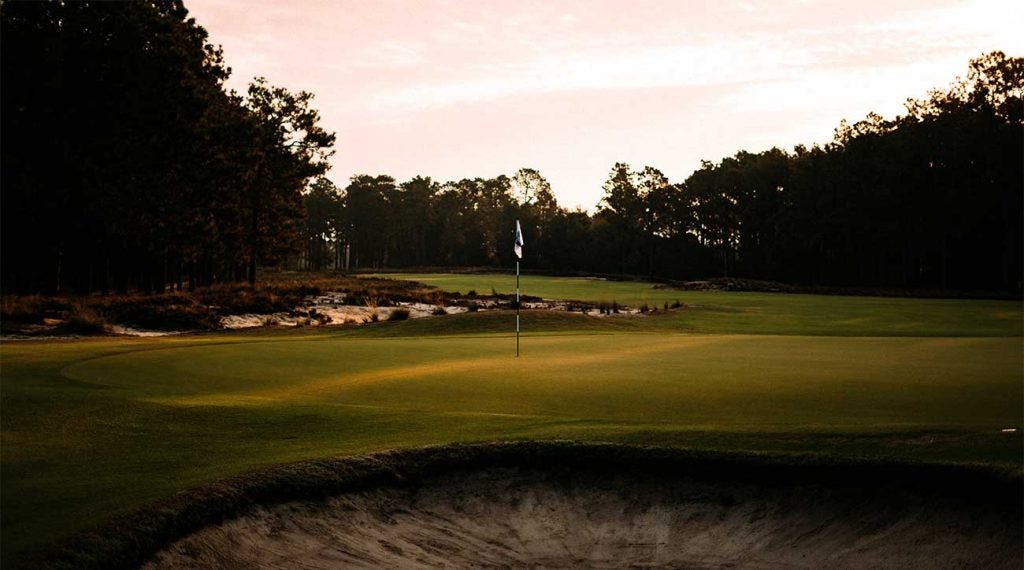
x=456, y=89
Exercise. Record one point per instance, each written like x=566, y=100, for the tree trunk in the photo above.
x=254, y=229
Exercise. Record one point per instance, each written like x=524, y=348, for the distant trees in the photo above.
x=930, y=199
x=323, y=226
x=126, y=164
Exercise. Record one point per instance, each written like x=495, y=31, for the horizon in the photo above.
x=453, y=90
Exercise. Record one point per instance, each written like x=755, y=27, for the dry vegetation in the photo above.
x=277, y=292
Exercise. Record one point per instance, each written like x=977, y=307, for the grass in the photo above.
x=764, y=313
x=95, y=428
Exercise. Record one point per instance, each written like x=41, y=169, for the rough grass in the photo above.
x=130, y=540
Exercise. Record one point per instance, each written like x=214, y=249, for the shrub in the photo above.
x=471, y=293
x=234, y=299
x=22, y=309
x=168, y=313
x=323, y=319
x=399, y=314
x=677, y=304
x=374, y=316
x=439, y=310
x=85, y=320
x=472, y=307
x=319, y=317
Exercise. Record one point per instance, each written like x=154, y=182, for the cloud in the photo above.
x=823, y=62
x=393, y=53
x=600, y=69
x=422, y=87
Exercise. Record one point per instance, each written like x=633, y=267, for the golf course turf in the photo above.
x=95, y=428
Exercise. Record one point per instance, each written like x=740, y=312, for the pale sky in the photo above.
x=457, y=89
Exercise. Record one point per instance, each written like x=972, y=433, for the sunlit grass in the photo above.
x=96, y=427
x=763, y=313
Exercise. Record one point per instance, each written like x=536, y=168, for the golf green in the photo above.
x=96, y=427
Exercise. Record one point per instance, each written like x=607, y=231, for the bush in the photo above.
x=22, y=309
x=439, y=310
x=319, y=317
x=471, y=293
x=399, y=314
x=170, y=313
x=472, y=307
x=85, y=320
x=241, y=299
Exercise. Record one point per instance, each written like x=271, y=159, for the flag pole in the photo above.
x=518, y=249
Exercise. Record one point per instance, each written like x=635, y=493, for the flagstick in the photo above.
x=517, y=309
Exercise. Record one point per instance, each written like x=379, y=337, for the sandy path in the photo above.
x=496, y=518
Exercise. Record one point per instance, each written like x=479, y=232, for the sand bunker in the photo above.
x=574, y=516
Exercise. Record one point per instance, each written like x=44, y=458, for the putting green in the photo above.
x=92, y=428
x=688, y=381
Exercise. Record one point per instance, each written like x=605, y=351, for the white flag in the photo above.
x=519, y=241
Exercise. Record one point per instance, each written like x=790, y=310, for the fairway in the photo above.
x=93, y=428
x=759, y=313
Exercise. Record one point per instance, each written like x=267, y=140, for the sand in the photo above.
x=509, y=517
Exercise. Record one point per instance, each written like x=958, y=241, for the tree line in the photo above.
x=928, y=199
x=127, y=164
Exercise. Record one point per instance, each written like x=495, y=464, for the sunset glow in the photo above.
x=453, y=89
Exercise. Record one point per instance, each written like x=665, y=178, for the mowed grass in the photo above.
x=93, y=428
x=760, y=313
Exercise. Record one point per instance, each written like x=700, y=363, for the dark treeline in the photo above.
x=126, y=163
x=930, y=199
